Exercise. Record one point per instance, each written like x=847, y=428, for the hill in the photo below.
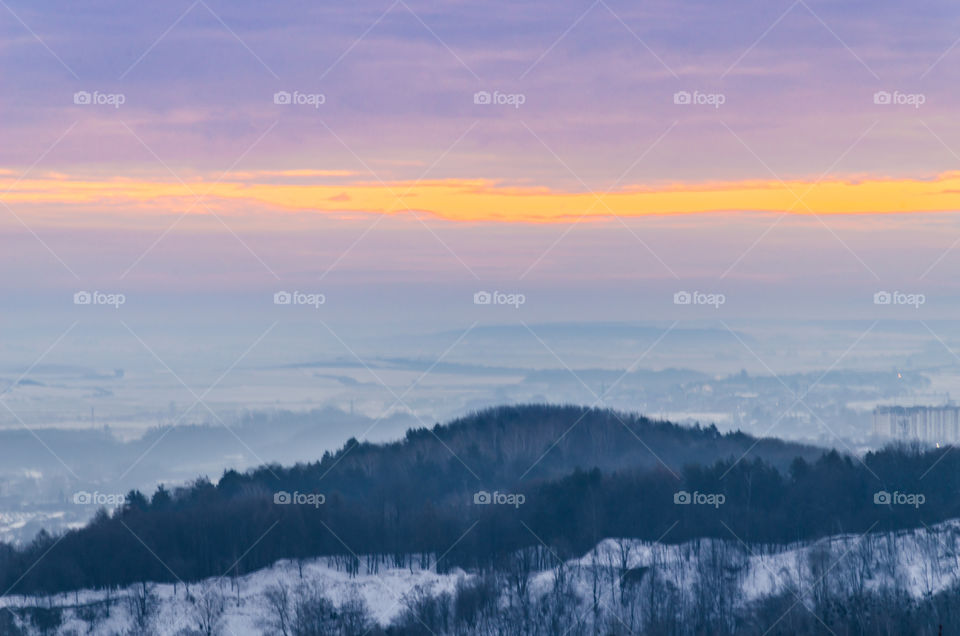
x=475, y=491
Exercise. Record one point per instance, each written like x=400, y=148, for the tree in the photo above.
x=278, y=619
x=209, y=606
x=143, y=605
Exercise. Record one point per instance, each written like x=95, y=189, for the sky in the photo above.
x=210, y=207
x=797, y=157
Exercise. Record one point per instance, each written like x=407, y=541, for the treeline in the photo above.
x=849, y=586
x=417, y=497
x=841, y=590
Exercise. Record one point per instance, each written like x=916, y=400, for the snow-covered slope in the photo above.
x=383, y=593
x=917, y=562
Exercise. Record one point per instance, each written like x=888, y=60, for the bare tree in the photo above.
x=143, y=605
x=209, y=606
x=354, y=618
x=313, y=613
x=277, y=598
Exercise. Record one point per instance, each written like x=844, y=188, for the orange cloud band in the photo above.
x=479, y=200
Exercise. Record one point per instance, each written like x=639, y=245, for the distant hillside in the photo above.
x=509, y=444
x=473, y=492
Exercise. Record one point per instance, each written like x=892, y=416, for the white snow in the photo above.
x=383, y=592
x=919, y=562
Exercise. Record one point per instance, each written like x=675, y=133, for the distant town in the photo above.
x=933, y=424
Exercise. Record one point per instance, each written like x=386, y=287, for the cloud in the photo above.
x=482, y=200
x=199, y=91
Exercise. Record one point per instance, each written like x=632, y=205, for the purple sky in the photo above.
x=598, y=82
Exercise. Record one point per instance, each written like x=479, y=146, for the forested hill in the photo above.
x=512, y=443
x=476, y=490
